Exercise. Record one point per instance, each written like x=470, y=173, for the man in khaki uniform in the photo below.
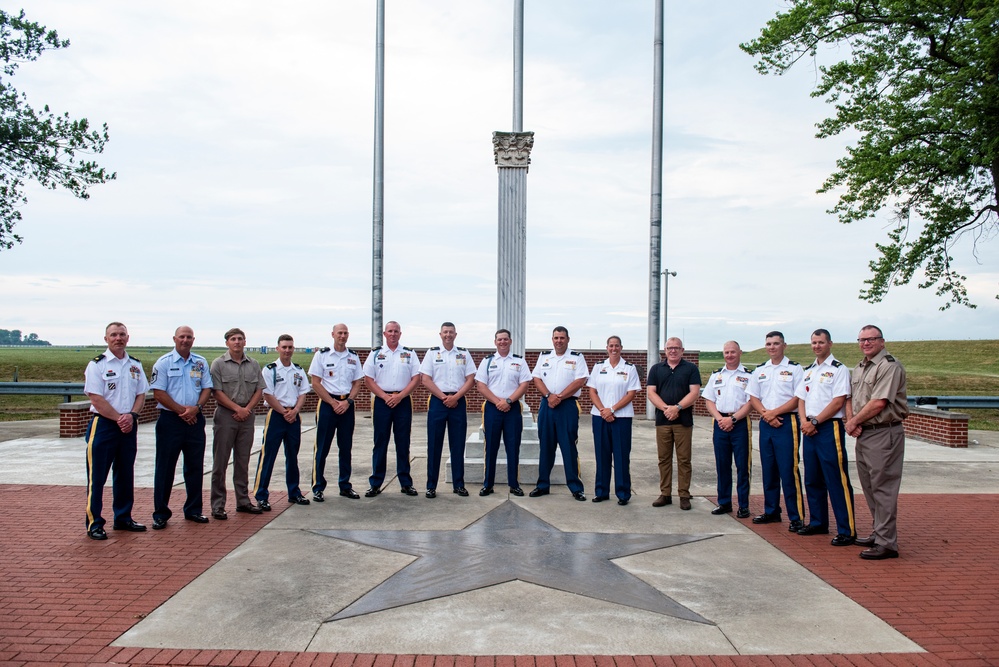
x=874, y=416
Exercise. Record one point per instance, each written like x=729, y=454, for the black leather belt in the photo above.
x=341, y=397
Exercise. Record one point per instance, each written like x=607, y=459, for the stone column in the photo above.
x=512, y=152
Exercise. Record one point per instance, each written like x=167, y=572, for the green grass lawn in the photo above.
x=945, y=368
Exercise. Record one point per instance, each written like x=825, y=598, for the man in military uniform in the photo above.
x=116, y=386
x=181, y=385
x=237, y=390
x=559, y=375
x=502, y=379
x=772, y=388
x=391, y=372
x=824, y=390
x=726, y=400
x=448, y=374
x=336, y=378
x=285, y=388
x=874, y=417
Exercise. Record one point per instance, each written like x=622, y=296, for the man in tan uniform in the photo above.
x=874, y=416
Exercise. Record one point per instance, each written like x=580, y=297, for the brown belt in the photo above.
x=875, y=427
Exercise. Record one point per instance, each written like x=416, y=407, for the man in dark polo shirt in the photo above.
x=874, y=416
x=673, y=388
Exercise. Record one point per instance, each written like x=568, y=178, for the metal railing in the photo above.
x=67, y=389
x=955, y=402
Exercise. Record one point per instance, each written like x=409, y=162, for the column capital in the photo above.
x=513, y=149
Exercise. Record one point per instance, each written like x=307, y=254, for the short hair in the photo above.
x=448, y=324
x=561, y=329
x=823, y=332
x=775, y=333
x=875, y=327
x=499, y=331
x=232, y=332
x=734, y=342
x=617, y=338
x=114, y=324
x=284, y=337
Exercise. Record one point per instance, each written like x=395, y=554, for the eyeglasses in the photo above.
x=674, y=349
x=864, y=341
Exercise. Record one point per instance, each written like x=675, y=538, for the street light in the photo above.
x=667, y=273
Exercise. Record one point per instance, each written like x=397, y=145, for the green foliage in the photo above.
x=43, y=146
x=919, y=80
x=13, y=337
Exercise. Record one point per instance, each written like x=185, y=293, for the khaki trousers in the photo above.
x=668, y=439
x=231, y=438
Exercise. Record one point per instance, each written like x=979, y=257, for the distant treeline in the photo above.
x=13, y=337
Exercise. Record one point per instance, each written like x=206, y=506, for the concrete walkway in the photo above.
x=260, y=589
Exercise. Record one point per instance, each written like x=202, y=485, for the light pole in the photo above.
x=667, y=273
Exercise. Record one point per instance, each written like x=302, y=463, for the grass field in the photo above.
x=946, y=368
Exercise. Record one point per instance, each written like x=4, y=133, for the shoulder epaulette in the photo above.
x=792, y=363
x=516, y=356
x=350, y=351
x=98, y=357
x=463, y=349
x=578, y=354
x=436, y=347
x=408, y=349
x=133, y=358
x=888, y=357
x=297, y=366
x=718, y=370
x=811, y=365
x=836, y=364
x=375, y=349
x=325, y=349
x=273, y=365
x=628, y=363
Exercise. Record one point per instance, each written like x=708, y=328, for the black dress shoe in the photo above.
x=517, y=491
x=539, y=492
x=431, y=493
x=843, y=540
x=97, y=533
x=772, y=517
x=722, y=509
x=346, y=493
x=319, y=497
x=878, y=552
x=196, y=518
x=264, y=505
x=297, y=500
x=130, y=526
x=220, y=515
x=578, y=495
x=743, y=513
x=372, y=492
x=409, y=491
x=795, y=526
x=865, y=541
x=485, y=491
x=252, y=509
x=622, y=501
x=813, y=530
x=159, y=524
x=599, y=499
x=461, y=491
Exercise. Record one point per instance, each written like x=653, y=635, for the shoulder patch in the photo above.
x=435, y=347
x=578, y=354
x=718, y=370
x=350, y=351
x=463, y=349
x=133, y=358
x=888, y=357
x=516, y=356
x=297, y=366
x=375, y=349
x=792, y=363
x=273, y=365
x=811, y=365
x=408, y=349
x=98, y=357
x=325, y=349
x=628, y=363
x=836, y=364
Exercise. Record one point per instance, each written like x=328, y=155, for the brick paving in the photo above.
x=64, y=598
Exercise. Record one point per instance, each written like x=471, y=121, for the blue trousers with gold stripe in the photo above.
x=827, y=475
x=108, y=449
x=559, y=428
x=779, y=465
x=387, y=423
x=276, y=431
x=729, y=446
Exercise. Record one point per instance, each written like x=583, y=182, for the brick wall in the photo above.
x=938, y=426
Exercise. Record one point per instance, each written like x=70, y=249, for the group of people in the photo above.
x=822, y=401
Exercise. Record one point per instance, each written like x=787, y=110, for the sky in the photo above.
x=242, y=133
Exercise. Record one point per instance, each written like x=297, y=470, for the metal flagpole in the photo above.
x=655, y=222
x=378, y=206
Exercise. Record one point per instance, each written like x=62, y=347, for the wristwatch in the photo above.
x=815, y=422
x=509, y=402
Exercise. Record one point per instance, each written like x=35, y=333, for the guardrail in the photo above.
x=955, y=402
x=67, y=389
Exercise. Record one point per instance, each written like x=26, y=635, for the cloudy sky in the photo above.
x=242, y=131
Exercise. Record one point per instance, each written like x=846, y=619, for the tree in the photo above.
x=919, y=81
x=38, y=145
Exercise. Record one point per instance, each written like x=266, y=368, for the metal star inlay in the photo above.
x=507, y=544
